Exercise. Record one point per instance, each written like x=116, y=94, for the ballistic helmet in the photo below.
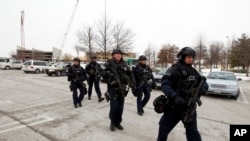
x=93, y=57
x=76, y=59
x=186, y=51
x=117, y=50
x=142, y=57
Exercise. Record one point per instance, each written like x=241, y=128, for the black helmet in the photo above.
x=160, y=103
x=93, y=57
x=186, y=51
x=76, y=59
x=117, y=50
x=142, y=57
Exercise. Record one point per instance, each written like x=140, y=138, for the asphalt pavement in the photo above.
x=36, y=107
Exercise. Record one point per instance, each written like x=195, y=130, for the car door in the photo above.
x=17, y=64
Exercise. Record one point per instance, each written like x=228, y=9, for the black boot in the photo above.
x=112, y=127
x=75, y=105
x=100, y=99
x=140, y=113
x=80, y=104
x=119, y=126
x=89, y=98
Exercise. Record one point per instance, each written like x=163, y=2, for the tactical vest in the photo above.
x=188, y=79
x=93, y=69
x=144, y=75
x=77, y=73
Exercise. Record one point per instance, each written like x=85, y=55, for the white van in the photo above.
x=7, y=64
x=35, y=66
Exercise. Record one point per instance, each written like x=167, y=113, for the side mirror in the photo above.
x=239, y=79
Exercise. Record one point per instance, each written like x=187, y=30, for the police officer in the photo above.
x=93, y=70
x=76, y=74
x=119, y=77
x=178, y=79
x=142, y=74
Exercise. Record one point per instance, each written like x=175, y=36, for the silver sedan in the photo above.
x=223, y=83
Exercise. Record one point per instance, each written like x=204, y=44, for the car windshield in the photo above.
x=221, y=75
x=162, y=71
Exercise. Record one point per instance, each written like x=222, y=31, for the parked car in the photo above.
x=158, y=76
x=58, y=69
x=10, y=64
x=223, y=83
x=35, y=66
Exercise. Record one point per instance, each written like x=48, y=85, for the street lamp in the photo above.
x=227, y=51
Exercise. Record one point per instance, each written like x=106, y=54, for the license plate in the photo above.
x=217, y=91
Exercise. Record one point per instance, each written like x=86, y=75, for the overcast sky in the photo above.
x=157, y=22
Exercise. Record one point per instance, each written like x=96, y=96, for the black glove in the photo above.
x=153, y=85
x=179, y=101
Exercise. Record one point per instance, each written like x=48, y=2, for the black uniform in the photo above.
x=142, y=74
x=175, y=83
x=118, y=77
x=76, y=74
x=94, y=69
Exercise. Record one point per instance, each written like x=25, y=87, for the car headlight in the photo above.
x=231, y=86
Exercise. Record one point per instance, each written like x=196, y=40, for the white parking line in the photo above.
x=16, y=124
x=242, y=98
x=5, y=102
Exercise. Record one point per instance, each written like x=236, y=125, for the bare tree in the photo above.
x=167, y=54
x=86, y=38
x=123, y=37
x=78, y=49
x=149, y=52
x=215, y=54
x=200, y=49
x=104, y=36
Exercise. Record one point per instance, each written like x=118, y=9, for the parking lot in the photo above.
x=39, y=107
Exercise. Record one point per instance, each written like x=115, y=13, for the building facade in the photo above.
x=26, y=54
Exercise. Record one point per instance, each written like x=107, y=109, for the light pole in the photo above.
x=227, y=51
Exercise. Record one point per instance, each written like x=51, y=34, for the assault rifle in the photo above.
x=116, y=81
x=194, y=97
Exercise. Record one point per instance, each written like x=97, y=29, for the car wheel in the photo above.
x=235, y=97
x=7, y=67
x=58, y=73
x=49, y=74
x=25, y=72
x=37, y=71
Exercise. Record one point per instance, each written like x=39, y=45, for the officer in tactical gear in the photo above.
x=76, y=74
x=142, y=74
x=93, y=70
x=119, y=77
x=177, y=84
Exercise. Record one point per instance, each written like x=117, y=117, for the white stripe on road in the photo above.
x=38, y=120
x=242, y=98
x=5, y=102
